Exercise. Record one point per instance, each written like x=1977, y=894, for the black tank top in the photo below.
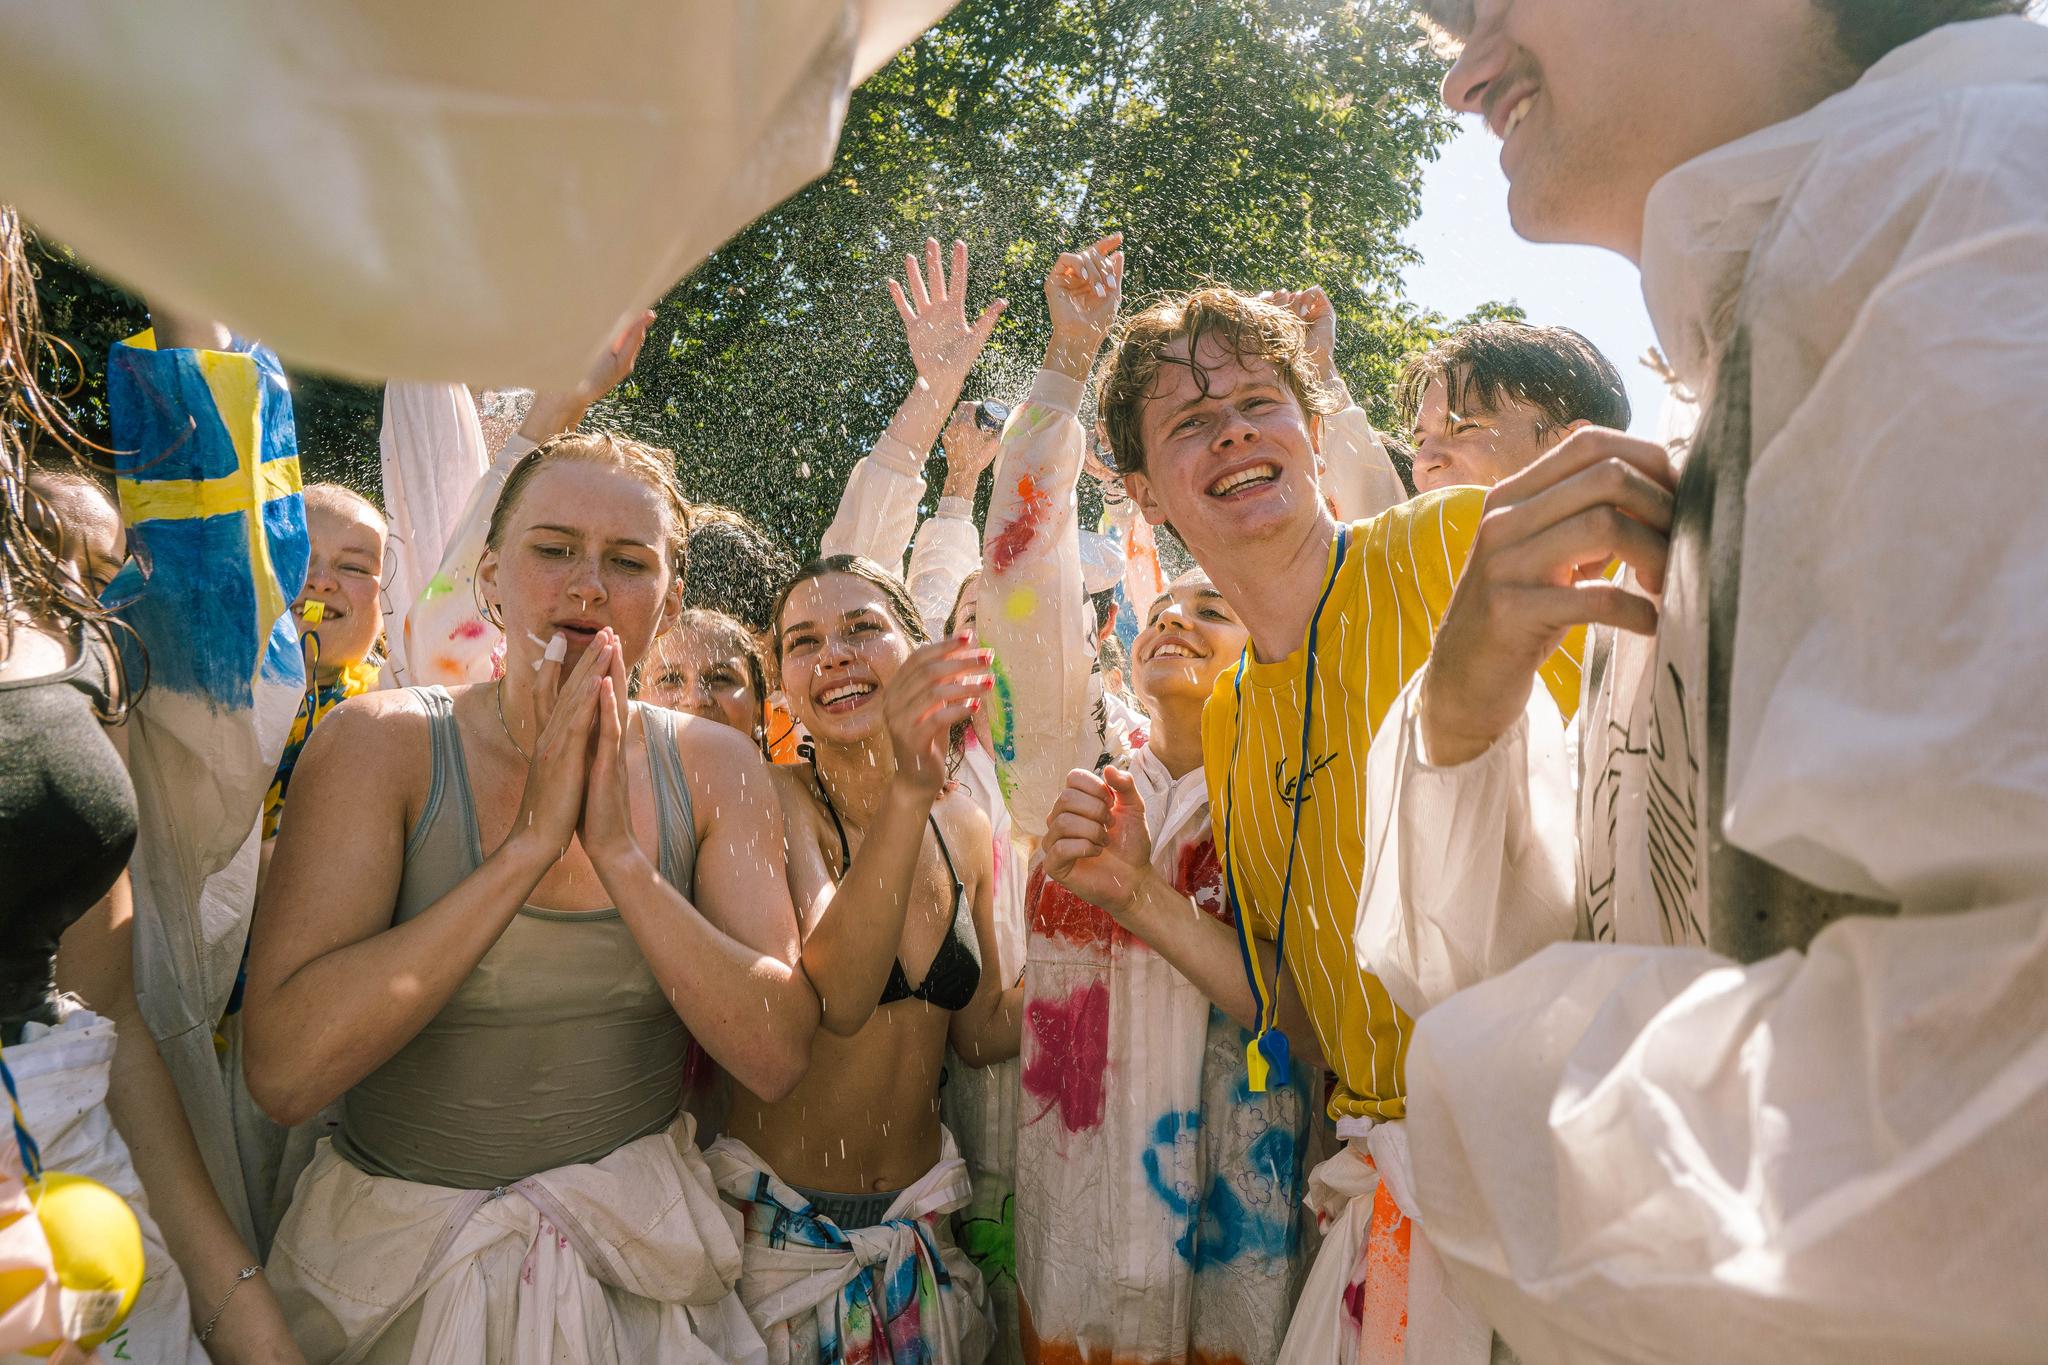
x=67, y=823
x=955, y=973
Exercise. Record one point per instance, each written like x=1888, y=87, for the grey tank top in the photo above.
x=561, y=1047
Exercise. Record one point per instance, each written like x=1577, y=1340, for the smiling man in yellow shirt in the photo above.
x=1215, y=418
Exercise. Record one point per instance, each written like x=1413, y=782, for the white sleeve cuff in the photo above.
x=1056, y=390
x=960, y=509
x=894, y=455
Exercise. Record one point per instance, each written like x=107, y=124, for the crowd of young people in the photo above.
x=1510, y=889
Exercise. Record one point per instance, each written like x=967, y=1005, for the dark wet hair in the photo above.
x=1248, y=328
x=901, y=605
x=735, y=566
x=1553, y=368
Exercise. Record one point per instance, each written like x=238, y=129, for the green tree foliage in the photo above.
x=1259, y=143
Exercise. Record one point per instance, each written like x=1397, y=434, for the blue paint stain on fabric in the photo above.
x=214, y=616
x=1271, y=1155
x=1167, y=1132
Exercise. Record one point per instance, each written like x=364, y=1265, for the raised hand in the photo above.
x=556, y=411
x=559, y=758
x=1096, y=844
x=933, y=307
x=1082, y=293
x=969, y=450
x=939, y=686
x=1536, y=571
x=1313, y=307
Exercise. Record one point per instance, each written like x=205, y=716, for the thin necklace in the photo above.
x=499, y=693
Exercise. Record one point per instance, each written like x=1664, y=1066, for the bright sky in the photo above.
x=1470, y=256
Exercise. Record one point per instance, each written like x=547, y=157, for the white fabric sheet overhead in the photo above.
x=459, y=191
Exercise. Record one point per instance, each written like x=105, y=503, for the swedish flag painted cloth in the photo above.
x=208, y=477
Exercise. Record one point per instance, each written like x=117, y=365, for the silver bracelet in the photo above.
x=246, y=1272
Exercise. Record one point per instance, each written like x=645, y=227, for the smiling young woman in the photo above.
x=894, y=877
x=497, y=916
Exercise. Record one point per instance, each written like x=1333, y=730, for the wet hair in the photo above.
x=723, y=630
x=1247, y=328
x=1554, y=369
x=36, y=580
x=649, y=465
x=339, y=496
x=735, y=567
x=897, y=597
x=1864, y=30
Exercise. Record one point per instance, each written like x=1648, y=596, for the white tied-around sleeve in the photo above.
x=1470, y=868
x=947, y=549
x=878, y=509
x=1031, y=607
x=1639, y=1154
x=1358, y=474
x=432, y=451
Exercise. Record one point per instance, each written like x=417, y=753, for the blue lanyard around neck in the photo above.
x=1267, y=1051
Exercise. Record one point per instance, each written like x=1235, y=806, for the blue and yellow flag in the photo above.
x=207, y=464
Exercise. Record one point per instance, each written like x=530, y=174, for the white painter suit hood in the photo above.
x=458, y=191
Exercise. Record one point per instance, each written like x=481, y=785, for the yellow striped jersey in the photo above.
x=1376, y=630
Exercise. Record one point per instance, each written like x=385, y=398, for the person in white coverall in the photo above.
x=1790, y=1101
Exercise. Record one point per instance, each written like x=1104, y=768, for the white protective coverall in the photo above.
x=1638, y=1149
x=457, y=191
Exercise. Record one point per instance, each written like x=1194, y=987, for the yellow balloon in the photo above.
x=96, y=1247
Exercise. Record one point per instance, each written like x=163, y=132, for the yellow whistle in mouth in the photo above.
x=313, y=611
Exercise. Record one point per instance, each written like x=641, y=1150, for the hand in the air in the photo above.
x=969, y=450
x=1082, y=293
x=933, y=307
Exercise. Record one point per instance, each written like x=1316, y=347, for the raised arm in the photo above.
x=445, y=638
x=948, y=544
x=1034, y=613
x=1358, y=474
x=726, y=955
x=857, y=934
x=878, y=510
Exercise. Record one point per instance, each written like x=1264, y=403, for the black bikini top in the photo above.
x=955, y=973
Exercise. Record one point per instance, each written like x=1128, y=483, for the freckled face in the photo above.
x=584, y=549
x=344, y=573
x=698, y=673
x=840, y=647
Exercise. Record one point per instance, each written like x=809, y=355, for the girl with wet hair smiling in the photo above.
x=517, y=905
x=894, y=882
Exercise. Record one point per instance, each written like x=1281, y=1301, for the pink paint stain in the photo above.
x=470, y=630
x=1070, y=1072
x=1058, y=913
x=1010, y=542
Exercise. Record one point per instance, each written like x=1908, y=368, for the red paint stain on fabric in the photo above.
x=470, y=630
x=1071, y=1069
x=1199, y=876
x=1058, y=913
x=1014, y=537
